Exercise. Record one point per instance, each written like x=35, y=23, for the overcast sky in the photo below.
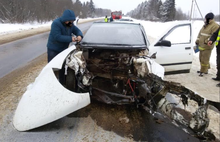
x=127, y=5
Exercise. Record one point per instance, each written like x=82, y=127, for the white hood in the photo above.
x=46, y=100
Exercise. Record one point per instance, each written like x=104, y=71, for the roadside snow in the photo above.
x=7, y=28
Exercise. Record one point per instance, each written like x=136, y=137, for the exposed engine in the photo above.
x=111, y=64
x=115, y=73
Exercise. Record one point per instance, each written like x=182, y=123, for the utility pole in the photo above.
x=192, y=9
x=199, y=9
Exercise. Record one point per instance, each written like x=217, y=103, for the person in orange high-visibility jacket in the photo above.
x=205, y=33
x=216, y=37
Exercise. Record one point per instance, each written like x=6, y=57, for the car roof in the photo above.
x=120, y=22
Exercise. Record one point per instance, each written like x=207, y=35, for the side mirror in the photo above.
x=163, y=43
x=153, y=56
x=76, y=21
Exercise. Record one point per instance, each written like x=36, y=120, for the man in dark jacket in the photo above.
x=61, y=34
x=216, y=37
x=111, y=19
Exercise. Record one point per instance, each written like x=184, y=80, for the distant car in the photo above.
x=116, y=14
x=114, y=64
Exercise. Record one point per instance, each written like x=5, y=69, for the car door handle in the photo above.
x=187, y=48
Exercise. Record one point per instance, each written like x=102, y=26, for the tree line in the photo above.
x=156, y=10
x=21, y=11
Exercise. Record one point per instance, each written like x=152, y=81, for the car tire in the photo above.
x=71, y=82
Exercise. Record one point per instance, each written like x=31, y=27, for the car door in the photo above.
x=175, y=49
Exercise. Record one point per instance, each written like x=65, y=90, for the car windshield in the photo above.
x=116, y=13
x=115, y=34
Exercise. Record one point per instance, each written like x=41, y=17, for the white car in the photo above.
x=174, y=48
x=113, y=65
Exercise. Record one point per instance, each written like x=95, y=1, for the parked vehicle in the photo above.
x=174, y=48
x=116, y=14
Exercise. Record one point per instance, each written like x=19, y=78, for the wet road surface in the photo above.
x=16, y=54
x=100, y=122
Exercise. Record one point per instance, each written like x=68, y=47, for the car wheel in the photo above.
x=71, y=82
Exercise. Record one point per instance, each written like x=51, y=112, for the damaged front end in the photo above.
x=131, y=77
x=112, y=75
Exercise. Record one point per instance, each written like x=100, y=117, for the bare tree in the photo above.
x=20, y=11
x=155, y=10
x=180, y=15
x=99, y=12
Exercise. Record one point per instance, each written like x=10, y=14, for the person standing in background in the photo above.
x=111, y=19
x=216, y=37
x=205, y=33
x=106, y=19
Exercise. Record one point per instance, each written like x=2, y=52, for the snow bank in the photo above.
x=7, y=28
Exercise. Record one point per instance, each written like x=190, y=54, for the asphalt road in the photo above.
x=100, y=123
x=16, y=54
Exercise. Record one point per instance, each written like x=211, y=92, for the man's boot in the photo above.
x=204, y=73
x=216, y=79
x=201, y=74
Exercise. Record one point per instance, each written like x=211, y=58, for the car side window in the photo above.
x=179, y=35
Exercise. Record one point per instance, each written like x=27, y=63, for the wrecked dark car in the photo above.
x=115, y=56
x=112, y=65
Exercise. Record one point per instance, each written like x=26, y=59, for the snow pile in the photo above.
x=7, y=28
